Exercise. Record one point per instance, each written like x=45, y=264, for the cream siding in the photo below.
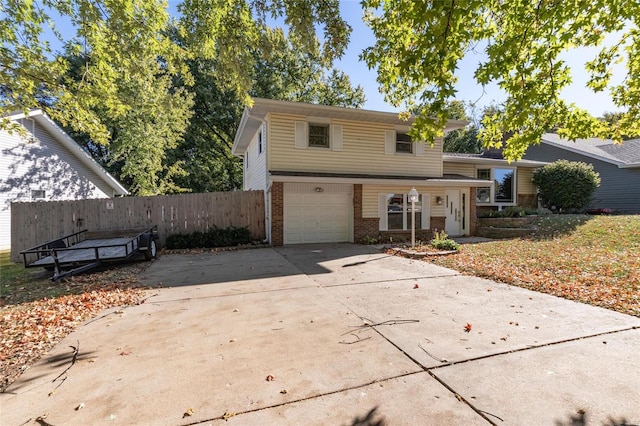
x=42, y=163
x=525, y=186
x=255, y=175
x=468, y=170
x=363, y=151
x=370, y=197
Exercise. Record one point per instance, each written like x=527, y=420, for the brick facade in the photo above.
x=362, y=226
x=528, y=200
x=277, y=214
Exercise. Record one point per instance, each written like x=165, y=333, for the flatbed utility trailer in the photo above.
x=75, y=253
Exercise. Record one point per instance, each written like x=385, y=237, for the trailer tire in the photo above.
x=152, y=248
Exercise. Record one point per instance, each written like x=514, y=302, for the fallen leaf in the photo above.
x=270, y=378
x=228, y=415
x=467, y=328
x=80, y=406
x=416, y=286
x=188, y=413
x=283, y=391
x=124, y=353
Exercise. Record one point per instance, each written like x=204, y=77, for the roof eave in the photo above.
x=495, y=161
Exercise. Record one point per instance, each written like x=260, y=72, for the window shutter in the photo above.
x=419, y=148
x=426, y=211
x=336, y=137
x=382, y=211
x=389, y=142
x=301, y=134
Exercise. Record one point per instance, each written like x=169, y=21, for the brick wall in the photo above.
x=528, y=200
x=437, y=223
x=277, y=213
x=362, y=226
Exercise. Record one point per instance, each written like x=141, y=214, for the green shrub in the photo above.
x=213, y=237
x=566, y=185
x=441, y=241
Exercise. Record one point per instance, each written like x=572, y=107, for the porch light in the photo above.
x=439, y=200
x=413, y=197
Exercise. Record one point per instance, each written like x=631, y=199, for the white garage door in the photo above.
x=316, y=218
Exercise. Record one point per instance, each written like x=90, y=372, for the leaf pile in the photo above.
x=588, y=259
x=32, y=328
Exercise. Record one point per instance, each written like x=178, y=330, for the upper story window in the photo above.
x=38, y=194
x=319, y=135
x=503, y=190
x=404, y=144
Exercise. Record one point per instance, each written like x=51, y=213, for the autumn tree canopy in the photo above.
x=419, y=44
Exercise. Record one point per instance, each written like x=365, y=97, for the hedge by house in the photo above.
x=566, y=185
x=213, y=237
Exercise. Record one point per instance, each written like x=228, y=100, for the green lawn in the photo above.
x=18, y=284
x=591, y=259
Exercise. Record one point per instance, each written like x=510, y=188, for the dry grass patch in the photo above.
x=591, y=259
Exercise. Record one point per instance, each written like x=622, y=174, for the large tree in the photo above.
x=280, y=71
x=124, y=93
x=420, y=43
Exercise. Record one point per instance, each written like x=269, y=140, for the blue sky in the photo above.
x=362, y=37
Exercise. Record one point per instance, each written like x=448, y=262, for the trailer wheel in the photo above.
x=152, y=248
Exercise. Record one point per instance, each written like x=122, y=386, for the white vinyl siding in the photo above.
x=363, y=150
x=41, y=164
x=255, y=175
x=468, y=170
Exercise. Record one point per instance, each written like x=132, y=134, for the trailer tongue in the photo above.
x=75, y=253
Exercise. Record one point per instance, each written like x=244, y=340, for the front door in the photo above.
x=453, y=214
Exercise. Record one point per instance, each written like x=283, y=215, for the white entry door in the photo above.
x=453, y=213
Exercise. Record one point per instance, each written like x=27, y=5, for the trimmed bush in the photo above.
x=213, y=237
x=566, y=185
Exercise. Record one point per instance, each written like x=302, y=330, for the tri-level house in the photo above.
x=333, y=174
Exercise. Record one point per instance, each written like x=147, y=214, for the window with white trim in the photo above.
x=395, y=211
x=404, y=144
x=38, y=194
x=503, y=190
x=318, y=135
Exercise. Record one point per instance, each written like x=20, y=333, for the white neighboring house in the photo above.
x=46, y=164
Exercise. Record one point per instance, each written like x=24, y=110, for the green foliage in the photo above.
x=566, y=185
x=124, y=82
x=213, y=237
x=369, y=240
x=463, y=141
x=420, y=43
x=441, y=241
x=511, y=211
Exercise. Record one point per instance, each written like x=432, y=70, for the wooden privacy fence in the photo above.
x=36, y=222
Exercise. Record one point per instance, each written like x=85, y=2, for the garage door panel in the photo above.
x=316, y=218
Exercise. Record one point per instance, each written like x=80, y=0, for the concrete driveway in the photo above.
x=335, y=335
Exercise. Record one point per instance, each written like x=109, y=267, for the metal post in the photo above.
x=413, y=197
x=413, y=223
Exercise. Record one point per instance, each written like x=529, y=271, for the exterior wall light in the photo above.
x=439, y=200
x=319, y=189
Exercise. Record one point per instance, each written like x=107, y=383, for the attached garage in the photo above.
x=317, y=213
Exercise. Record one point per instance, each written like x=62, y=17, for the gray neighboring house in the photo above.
x=45, y=164
x=618, y=165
